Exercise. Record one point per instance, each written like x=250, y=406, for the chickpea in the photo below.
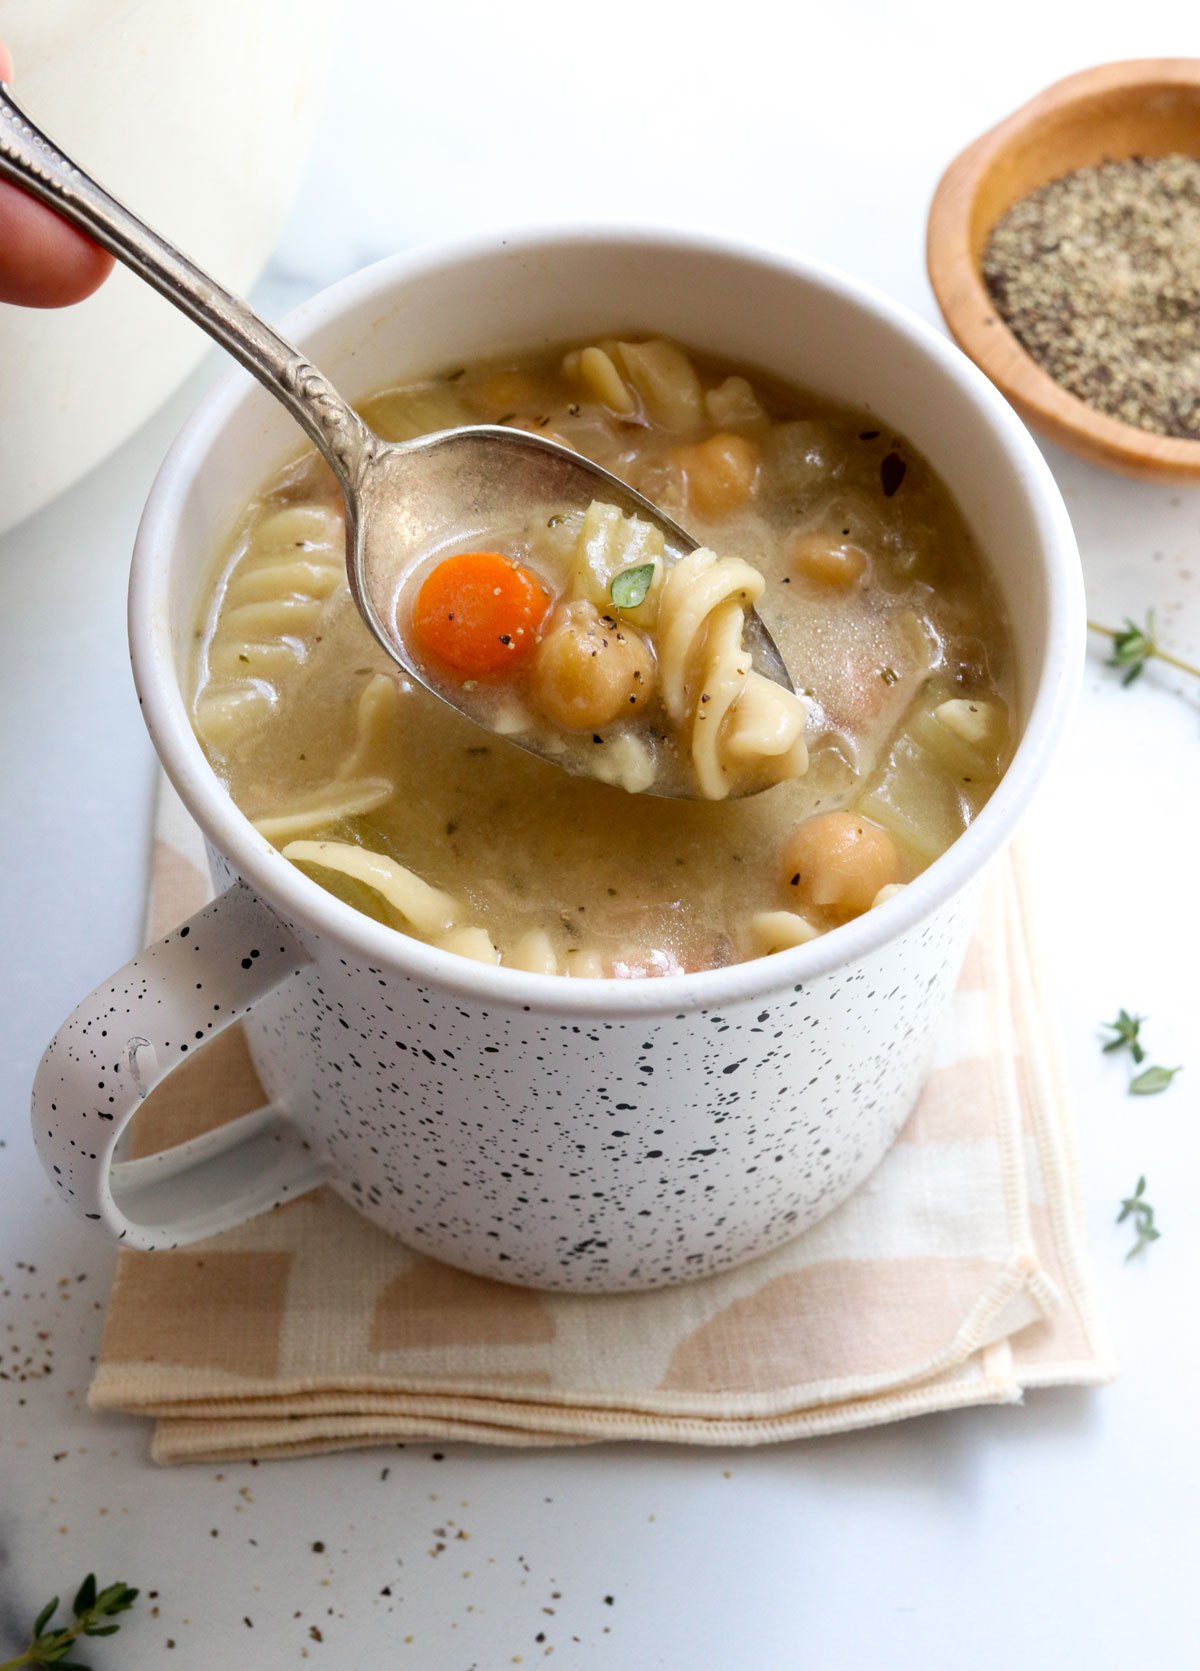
x=840, y=860
x=588, y=669
x=721, y=473
x=828, y=561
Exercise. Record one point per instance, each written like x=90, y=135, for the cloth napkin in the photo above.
x=956, y=1275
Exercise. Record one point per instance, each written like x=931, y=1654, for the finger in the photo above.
x=43, y=262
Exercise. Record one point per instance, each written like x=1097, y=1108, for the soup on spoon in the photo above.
x=625, y=660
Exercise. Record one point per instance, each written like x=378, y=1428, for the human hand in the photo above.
x=44, y=263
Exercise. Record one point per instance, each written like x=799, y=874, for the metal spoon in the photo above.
x=402, y=499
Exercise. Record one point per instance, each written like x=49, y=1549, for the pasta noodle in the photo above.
x=352, y=791
x=666, y=380
x=429, y=910
x=888, y=891
x=331, y=804
x=776, y=931
x=601, y=377
x=469, y=941
x=271, y=607
x=739, y=718
x=376, y=723
x=534, y=953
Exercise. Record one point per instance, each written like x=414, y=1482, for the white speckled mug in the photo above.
x=573, y=1134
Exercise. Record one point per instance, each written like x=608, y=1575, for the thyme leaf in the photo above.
x=1125, y=1032
x=1134, y=1206
x=91, y=1610
x=629, y=588
x=1133, y=647
x=1151, y=1081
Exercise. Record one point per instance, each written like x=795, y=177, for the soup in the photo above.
x=822, y=519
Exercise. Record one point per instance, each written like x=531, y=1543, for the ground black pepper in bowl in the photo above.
x=1097, y=274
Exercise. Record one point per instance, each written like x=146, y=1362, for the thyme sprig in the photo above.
x=91, y=1610
x=1125, y=1032
x=1134, y=646
x=1134, y=1206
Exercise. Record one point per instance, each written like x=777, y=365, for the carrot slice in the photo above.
x=479, y=612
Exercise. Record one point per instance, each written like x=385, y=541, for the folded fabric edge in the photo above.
x=227, y=1441
x=320, y=1400
x=1082, y=1372
x=128, y=1390
x=169, y=1448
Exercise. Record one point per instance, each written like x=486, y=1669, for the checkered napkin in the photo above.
x=956, y=1275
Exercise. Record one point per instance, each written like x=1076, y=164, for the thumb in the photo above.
x=43, y=262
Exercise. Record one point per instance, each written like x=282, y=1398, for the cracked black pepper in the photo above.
x=1097, y=274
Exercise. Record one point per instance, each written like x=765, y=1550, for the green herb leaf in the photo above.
x=1151, y=1081
x=1134, y=1206
x=629, y=588
x=44, y=1618
x=1133, y=647
x=1125, y=1032
x=91, y=1610
x=85, y=1598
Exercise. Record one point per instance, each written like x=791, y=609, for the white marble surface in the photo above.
x=1061, y=1533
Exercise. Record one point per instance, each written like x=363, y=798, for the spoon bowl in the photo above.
x=411, y=497
x=403, y=500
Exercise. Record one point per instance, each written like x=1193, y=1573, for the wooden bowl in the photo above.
x=1146, y=107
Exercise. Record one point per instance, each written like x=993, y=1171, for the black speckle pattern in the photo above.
x=125, y=1038
x=550, y=1150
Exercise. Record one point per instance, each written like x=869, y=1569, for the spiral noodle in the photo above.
x=739, y=721
x=354, y=789
x=270, y=609
x=424, y=910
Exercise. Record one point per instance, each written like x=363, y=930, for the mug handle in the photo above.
x=125, y=1038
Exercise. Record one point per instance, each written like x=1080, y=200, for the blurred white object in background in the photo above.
x=199, y=113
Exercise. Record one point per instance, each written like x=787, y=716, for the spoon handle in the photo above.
x=31, y=160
